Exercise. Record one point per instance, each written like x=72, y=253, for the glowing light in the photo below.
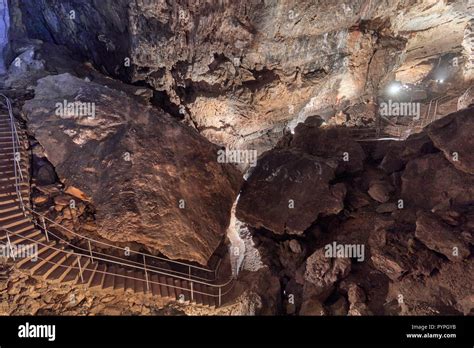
x=394, y=88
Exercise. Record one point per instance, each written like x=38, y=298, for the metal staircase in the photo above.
x=95, y=264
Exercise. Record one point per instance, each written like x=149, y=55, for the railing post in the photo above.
x=44, y=228
x=10, y=245
x=220, y=296
x=189, y=273
x=90, y=250
x=80, y=269
x=146, y=275
x=192, y=293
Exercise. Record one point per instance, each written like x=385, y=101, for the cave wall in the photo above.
x=240, y=72
x=4, y=27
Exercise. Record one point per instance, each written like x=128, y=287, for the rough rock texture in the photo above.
x=453, y=135
x=331, y=143
x=431, y=181
x=323, y=272
x=243, y=75
x=298, y=186
x=153, y=181
x=423, y=232
x=232, y=68
x=441, y=237
x=21, y=294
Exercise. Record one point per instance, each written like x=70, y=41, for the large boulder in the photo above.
x=453, y=135
x=332, y=143
x=441, y=237
x=431, y=182
x=153, y=181
x=288, y=191
x=322, y=273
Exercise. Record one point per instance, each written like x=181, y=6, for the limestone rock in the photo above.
x=152, y=180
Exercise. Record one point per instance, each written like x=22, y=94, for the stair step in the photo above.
x=206, y=299
x=130, y=281
x=119, y=283
x=109, y=278
x=43, y=258
x=182, y=295
x=12, y=199
x=6, y=207
x=140, y=284
x=14, y=221
x=171, y=290
x=155, y=286
x=87, y=273
x=27, y=262
x=50, y=266
x=28, y=237
x=97, y=280
x=61, y=270
x=10, y=214
x=163, y=287
x=74, y=274
x=20, y=228
x=186, y=291
x=198, y=297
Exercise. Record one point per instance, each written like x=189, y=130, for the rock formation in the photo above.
x=350, y=212
x=154, y=181
x=241, y=72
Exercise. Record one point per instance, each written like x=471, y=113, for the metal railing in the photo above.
x=147, y=268
x=19, y=178
x=217, y=291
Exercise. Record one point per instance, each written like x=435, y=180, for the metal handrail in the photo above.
x=67, y=230
x=69, y=252
x=15, y=141
x=91, y=252
x=19, y=179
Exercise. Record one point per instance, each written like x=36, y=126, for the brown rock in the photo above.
x=62, y=200
x=395, y=252
x=440, y=237
x=386, y=208
x=152, y=180
x=431, y=180
x=312, y=307
x=323, y=272
x=453, y=135
x=288, y=191
x=340, y=307
x=330, y=143
x=379, y=191
x=39, y=200
x=356, y=294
